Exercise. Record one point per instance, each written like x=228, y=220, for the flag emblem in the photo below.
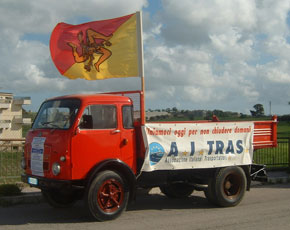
x=91, y=47
x=96, y=50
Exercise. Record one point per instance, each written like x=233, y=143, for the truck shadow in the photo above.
x=42, y=213
x=161, y=202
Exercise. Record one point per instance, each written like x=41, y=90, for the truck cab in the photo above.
x=78, y=132
x=75, y=137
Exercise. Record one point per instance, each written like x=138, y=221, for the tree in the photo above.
x=259, y=110
x=174, y=109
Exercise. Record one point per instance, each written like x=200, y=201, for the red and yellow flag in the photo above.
x=96, y=50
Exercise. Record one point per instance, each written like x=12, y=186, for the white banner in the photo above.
x=37, y=149
x=172, y=146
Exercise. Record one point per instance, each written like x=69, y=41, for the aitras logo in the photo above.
x=214, y=150
x=156, y=152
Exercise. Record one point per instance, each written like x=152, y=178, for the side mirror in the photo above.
x=77, y=130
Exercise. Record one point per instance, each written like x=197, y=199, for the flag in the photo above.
x=97, y=50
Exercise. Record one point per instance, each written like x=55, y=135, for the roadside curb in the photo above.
x=279, y=177
x=25, y=198
x=278, y=180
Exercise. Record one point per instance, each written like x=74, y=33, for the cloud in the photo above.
x=41, y=16
x=226, y=54
x=193, y=22
x=25, y=64
x=219, y=53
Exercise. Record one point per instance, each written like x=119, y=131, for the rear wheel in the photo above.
x=209, y=192
x=228, y=188
x=177, y=190
x=107, y=196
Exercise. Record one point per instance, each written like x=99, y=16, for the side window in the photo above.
x=127, y=117
x=99, y=117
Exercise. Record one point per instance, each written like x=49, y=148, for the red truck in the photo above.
x=99, y=148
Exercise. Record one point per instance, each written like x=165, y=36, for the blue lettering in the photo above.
x=210, y=143
x=240, y=146
x=173, y=149
x=219, y=147
x=192, y=148
x=230, y=148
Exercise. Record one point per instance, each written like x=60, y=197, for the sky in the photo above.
x=198, y=54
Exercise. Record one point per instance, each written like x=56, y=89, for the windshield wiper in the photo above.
x=49, y=123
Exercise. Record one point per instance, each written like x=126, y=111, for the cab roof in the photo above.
x=95, y=98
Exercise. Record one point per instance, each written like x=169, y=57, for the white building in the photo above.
x=11, y=119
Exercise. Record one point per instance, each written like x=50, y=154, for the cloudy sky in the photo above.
x=199, y=54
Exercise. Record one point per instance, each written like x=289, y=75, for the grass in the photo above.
x=10, y=167
x=273, y=157
x=283, y=129
x=10, y=190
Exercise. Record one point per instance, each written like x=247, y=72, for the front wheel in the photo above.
x=107, y=196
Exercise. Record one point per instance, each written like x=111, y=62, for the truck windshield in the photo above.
x=57, y=114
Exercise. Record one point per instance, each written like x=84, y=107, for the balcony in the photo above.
x=4, y=103
x=22, y=101
x=21, y=120
x=5, y=124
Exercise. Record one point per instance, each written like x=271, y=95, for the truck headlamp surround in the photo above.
x=23, y=163
x=62, y=158
x=56, y=168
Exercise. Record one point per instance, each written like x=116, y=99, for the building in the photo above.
x=11, y=119
x=156, y=114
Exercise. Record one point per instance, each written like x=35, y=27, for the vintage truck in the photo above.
x=100, y=149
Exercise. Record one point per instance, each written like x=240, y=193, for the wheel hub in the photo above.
x=110, y=195
x=232, y=186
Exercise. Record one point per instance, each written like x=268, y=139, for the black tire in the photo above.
x=177, y=190
x=107, y=196
x=59, y=198
x=210, y=192
x=230, y=186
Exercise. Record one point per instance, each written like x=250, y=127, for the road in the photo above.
x=264, y=207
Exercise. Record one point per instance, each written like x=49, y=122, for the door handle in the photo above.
x=116, y=131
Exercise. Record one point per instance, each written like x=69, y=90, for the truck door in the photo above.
x=128, y=141
x=98, y=138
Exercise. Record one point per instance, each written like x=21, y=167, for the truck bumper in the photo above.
x=45, y=183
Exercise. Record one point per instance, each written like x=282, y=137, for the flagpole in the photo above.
x=141, y=64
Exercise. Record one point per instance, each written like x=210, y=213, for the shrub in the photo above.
x=9, y=190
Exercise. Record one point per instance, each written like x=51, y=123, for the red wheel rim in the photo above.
x=110, y=195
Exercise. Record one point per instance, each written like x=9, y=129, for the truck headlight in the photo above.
x=56, y=168
x=23, y=163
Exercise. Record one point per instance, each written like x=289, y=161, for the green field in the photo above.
x=283, y=129
x=274, y=157
x=10, y=166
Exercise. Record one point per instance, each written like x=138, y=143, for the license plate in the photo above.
x=32, y=181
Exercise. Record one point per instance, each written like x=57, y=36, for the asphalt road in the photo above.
x=264, y=207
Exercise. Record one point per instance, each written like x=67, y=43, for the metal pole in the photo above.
x=141, y=64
